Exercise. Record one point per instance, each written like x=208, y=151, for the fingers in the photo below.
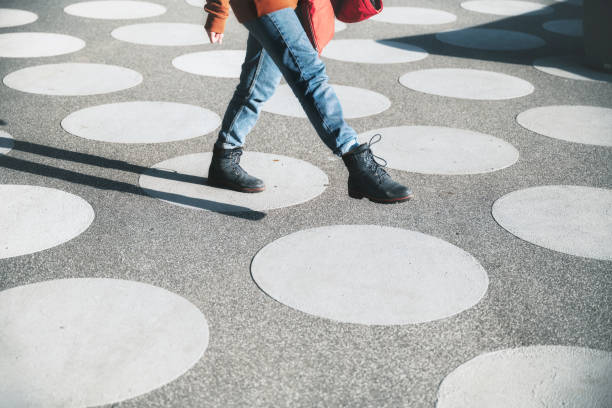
x=215, y=37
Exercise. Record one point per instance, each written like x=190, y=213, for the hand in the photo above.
x=215, y=37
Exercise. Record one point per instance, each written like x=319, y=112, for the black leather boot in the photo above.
x=368, y=178
x=225, y=172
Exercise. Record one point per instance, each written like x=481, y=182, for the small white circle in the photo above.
x=183, y=181
x=141, y=122
x=466, y=83
x=414, y=15
x=507, y=7
x=373, y=51
x=91, y=342
x=162, y=34
x=196, y=3
x=578, y=124
x=574, y=220
x=221, y=64
x=570, y=67
x=339, y=26
x=570, y=27
x=34, y=218
x=491, y=39
x=14, y=17
x=115, y=9
x=356, y=102
x=6, y=142
x=533, y=376
x=369, y=274
x=441, y=150
x=72, y=79
x=31, y=45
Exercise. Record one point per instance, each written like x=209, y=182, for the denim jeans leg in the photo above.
x=258, y=81
x=282, y=36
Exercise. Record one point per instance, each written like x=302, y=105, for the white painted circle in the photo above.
x=141, y=122
x=89, y=342
x=222, y=64
x=72, y=79
x=507, y=7
x=115, y=10
x=533, y=376
x=572, y=2
x=162, y=34
x=414, y=15
x=356, y=102
x=35, y=218
x=182, y=181
x=13, y=17
x=30, y=45
x=441, y=150
x=373, y=51
x=6, y=142
x=369, y=274
x=574, y=220
x=339, y=26
x=196, y=3
x=570, y=67
x=570, y=27
x=578, y=124
x=466, y=83
x=491, y=39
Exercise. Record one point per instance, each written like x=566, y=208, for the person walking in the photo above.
x=277, y=45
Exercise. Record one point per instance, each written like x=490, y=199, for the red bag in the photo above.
x=353, y=11
x=318, y=19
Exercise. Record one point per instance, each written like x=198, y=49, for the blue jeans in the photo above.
x=277, y=45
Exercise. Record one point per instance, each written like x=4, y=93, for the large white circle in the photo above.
x=182, y=181
x=196, y=3
x=141, y=122
x=534, y=376
x=369, y=274
x=163, y=34
x=414, y=15
x=115, y=10
x=441, y=150
x=36, y=218
x=13, y=17
x=579, y=124
x=222, y=64
x=571, y=219
x=491, y=39
x=570, y=67
x=570, y=27
x=466, y=83
x=507, y=7
x=72, y=79
x=373, y=51
x=356, y=102
x=30, y=45
x=86, y=342
x=6, y=142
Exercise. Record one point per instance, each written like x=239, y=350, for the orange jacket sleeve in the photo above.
x=217, y=10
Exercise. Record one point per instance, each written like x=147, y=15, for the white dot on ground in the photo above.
x=356, y=102
x=183, y=181
x=534, y=376
x=466, y=83
x=141, y=122
x=115, y=10
x=571, y=219
x=441, y=150
x=570, y=67
x=414, y=15
x=579, y=124
x=36, y=218
x=31, y=45
x=572, y=2
x=13, y=17
x=507, y=7
x=373, y=51
x=6, y=142
x=90, y=342
x=72, y=79
x=369, y=274
x=196, y=3
x=162, y=34
x=491, y=39
x=339, y=26
x=570, y=27
x=222, y=64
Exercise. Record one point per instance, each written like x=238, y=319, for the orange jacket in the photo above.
x=243, y=9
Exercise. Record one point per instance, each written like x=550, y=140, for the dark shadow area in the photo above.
x=108, y=184
x=3, y=122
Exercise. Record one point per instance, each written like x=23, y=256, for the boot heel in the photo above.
x=354, y=194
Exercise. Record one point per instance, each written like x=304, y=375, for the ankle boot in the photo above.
x=368, y=178
x=225, y=172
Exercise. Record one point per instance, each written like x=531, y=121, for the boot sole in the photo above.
x=359, y=196
x=230, y=186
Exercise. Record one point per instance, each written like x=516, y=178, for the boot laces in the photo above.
x=377, y=168
x=235, y=158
